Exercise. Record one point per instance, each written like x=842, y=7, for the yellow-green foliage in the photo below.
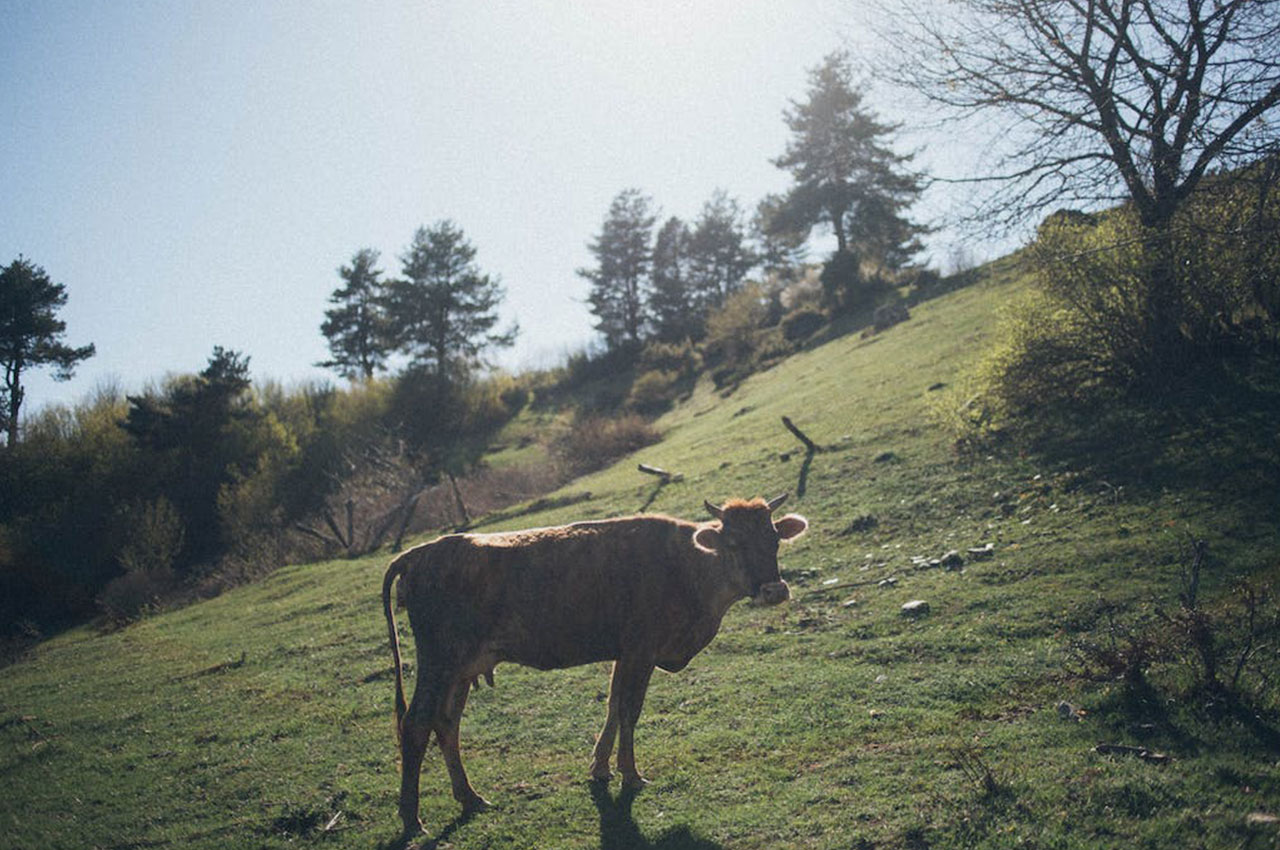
x=1110, y=293
x=653, y=391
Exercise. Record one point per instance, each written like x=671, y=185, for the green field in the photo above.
x=262, y=718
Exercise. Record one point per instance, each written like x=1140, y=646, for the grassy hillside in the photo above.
x=263, y=718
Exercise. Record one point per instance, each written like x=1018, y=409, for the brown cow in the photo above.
x=640, y=591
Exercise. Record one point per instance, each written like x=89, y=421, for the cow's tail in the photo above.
x=393, y=572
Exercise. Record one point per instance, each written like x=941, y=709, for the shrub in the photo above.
x=679, y=358
x=596, y=441
x=155, y=539
x=733, y=330
x=654, y=391
x=888, y=315
x=803, y=323
x=133, y=594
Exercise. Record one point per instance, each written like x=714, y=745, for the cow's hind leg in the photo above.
x=415, y=733
x=446, y=727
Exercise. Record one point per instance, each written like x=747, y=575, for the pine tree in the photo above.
x=845, y=176
x=31, y=335
x=719, y=254
x=673, y=304
x=441, y=314
x=620, y=279
x=356, y=326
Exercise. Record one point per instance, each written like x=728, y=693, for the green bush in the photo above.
x=802, y=323
x=1119, y=308
x=593, y=442
x=654, y=391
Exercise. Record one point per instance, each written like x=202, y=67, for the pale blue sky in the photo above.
x=195, y=172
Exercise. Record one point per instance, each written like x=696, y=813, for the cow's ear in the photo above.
x=707, y=538
x=791, y=526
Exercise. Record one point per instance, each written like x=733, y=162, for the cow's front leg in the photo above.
x=632, y=680
x=604, y=744
x=447, y=736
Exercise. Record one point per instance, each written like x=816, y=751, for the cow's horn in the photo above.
x=777, y=503
x=718, y=513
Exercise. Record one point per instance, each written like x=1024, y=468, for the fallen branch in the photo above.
x=810, y=446
x=658, y=471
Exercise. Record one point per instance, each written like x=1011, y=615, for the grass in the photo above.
x=263, y=717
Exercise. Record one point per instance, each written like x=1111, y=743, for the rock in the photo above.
x=886, y=457
x=915, y=608
x=849, y=603
x=952, y=560
x=1067, y=711
x=887, y=582
x=1262, y=819
x=980, y=553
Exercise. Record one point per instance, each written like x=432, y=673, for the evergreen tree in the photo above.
x=719, y=254
x=620, y=279
x=356, y=326
x=441, y=314
x=845, y=177
x=31, y=335
x=781, y=253
x=673, y=304
x=199, y=437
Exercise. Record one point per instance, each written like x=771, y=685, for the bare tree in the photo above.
x=1097, y=101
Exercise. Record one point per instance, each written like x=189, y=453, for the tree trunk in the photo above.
x=15, y=405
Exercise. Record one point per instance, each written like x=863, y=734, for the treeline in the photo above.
x=207, y=479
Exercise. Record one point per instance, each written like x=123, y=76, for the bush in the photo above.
x=1119, y=308
x=733, y=331
x=596, y=441
x=888, y=315
x=130, y=596
x=848, y=287
x=155, y=540
x=679, y=358
x=654, y=391
x=803, y=323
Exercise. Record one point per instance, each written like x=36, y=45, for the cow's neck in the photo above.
x=717, y=591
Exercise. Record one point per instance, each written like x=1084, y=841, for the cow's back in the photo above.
x=554, y=597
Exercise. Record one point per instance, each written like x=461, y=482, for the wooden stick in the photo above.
x=810, y=445
x=653, y=470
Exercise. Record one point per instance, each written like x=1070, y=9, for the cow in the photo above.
x=641, y=591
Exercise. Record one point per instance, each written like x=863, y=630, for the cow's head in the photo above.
x=747, y=538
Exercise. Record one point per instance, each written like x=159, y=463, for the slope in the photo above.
x=262, y=718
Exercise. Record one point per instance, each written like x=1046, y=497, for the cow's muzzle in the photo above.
x=772, y=593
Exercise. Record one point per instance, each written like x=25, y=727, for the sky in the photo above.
x=195, y=172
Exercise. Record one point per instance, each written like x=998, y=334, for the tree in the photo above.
x=356, y=326
x=1097, y=101
x=673, y=306
x=719, y=254
x=845, y=176
x=200, y=436
x=781, y=252
x=443, y=311
x=31, y=335
x=620, y=279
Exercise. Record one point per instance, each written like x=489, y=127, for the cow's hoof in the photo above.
x=412, y=829
x=474, y=805
x=634, y=783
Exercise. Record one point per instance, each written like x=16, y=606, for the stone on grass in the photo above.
x=915, y=608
